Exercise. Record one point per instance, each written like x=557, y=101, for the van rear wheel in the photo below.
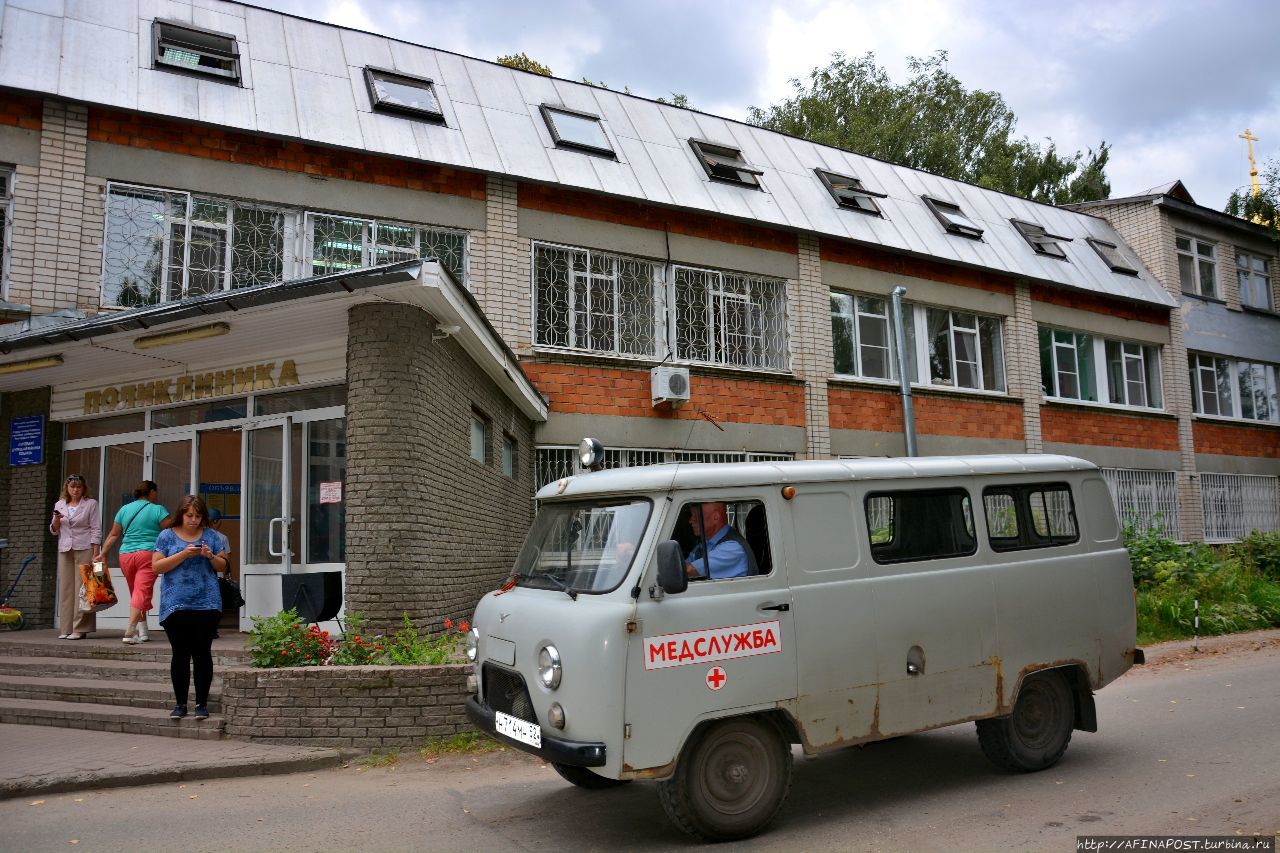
x=1036, y=734
x=584, y=778
x=730, y=781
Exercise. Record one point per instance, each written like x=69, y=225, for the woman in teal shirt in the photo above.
x=140, y=523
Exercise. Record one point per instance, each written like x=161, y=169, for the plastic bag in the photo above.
x=96, y=592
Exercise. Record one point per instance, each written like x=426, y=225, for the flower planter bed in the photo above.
x=352, y=706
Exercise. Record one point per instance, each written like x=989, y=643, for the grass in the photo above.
x=388, y=757
x=467, y=743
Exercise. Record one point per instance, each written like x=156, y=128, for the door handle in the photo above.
x=781, y=608
x=271, y=539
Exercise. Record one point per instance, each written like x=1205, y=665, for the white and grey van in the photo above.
x=872, y=598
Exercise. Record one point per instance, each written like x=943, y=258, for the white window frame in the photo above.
x=479, y=424
x=9, y=177
x=369, y=244
x=1266, y=374
x=1131, y=352
x=855, y=324
x=1202, y=365
x=924, y=373
x=1249, y=278
x=720, y=296
x=1079, y=341
x=1195, y=254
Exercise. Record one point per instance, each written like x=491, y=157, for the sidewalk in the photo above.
x=46, y=760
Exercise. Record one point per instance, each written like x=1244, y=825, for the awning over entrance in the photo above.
x=252, y=324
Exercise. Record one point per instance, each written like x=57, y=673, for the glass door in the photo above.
x=267, y=519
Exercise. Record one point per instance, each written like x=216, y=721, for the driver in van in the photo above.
x=728, y=555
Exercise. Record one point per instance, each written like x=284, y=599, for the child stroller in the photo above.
x=11, y=617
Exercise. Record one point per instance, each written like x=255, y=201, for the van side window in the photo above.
x=723, y=539
x=1031, y=516
x=920, y=525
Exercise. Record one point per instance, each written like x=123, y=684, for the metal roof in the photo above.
x=694, y=475
x=304, y=79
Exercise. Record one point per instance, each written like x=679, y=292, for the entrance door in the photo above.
x=268, y=525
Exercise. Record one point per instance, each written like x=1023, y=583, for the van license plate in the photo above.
x=518, y=729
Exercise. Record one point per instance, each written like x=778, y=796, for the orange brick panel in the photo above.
x=1228, y=440
x=1100, y=305
x=639, y=215
x=878, y=259
x=21, y=111
x=625, y=392
x=1107, y=429
x=936, y=414
x=215, y=143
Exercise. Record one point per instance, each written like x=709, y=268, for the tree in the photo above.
x=522, y=62
x=932, y=122
x=1263, y=208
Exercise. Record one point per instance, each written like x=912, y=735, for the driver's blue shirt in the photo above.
x=726, y=557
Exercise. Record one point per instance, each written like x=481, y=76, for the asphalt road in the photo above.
x=1183, y=748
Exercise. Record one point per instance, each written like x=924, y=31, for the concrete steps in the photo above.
x=129, y=694
x=106, y=718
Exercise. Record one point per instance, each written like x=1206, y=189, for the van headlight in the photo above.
x=473, y=644
x=549, y=667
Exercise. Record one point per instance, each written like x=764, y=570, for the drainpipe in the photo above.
x=904, y=380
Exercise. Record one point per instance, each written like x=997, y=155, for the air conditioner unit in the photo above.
x=670, y=385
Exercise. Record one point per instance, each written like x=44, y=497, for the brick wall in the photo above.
x=1242, y=440
x=429, y=529
x=936, y=413
x=1100, y=305
x=214, y=143
x=352, y=706
x=27, y=494
x=639, y=215
x=620, y=391
x=878, y=259
x=1070, y=425
x=20, y=111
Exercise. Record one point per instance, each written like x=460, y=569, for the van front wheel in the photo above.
x=730, y=781
x=584, y=778
x=1036, y=734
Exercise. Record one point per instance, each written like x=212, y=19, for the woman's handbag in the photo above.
x=96, y=592
x=231, y=597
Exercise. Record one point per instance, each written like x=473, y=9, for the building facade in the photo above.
x=169, y=170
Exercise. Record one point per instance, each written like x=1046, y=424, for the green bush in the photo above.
x=282, y=640
x=357, y=648
x=409, y=648
x=1260, y=552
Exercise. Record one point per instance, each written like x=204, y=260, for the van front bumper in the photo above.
x=555, y=750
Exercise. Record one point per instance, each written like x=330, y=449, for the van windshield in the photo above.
x=582, y=546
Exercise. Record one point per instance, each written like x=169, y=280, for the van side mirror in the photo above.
x=671, y=576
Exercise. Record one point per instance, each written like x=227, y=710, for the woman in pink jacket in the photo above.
x=78, y=526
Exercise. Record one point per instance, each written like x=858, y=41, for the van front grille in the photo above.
x=505, y=691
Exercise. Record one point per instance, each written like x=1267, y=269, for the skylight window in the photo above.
x=1110, y=253
x=182, y=47
x=401, y=93
x=725, y=164
x=850, y=193
x=572, y=129
x=953, y=218
x=1041, y=240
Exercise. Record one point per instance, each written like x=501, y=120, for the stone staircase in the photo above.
x=102, y=684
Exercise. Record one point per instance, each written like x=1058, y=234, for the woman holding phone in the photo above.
x=187, y=557
x=77, y=525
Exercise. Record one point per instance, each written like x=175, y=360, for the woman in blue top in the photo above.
x=187, y=557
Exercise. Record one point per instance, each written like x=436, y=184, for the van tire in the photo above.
x=584, y=778
x=730, y=781
x=1036, y=734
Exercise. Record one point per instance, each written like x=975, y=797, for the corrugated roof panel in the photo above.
x=879, y=176
x=614, y=177
x=326, y=108
x=498, y=84
x=647, y=121
x=314, y=47
x=387, y=132
x=415, y=60
x=587, y=99
x=440, y=144
x=105, y=68
x=453, y=72
x=228, y=18
x=273, y=104
x=536, y=89
x=26, y=62
x=789, y=193
x=681, y=126
x=716, y=129
x=761, y=206
x=673, y=169
x=574, y=168
x=649, y=182
x=513, y=134
x=266, y=35
x=778, y=154
x=178, y=95
x=361, y=49
x=482, y=150
x=609, y=107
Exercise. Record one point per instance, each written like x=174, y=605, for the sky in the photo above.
x=1169, y=84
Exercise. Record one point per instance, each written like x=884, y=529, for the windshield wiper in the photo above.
x=560, y=583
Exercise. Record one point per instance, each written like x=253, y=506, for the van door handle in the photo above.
x=781, y=608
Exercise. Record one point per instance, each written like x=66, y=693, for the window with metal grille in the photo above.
x=390, y=91
x=555, y=463
x=1145, y=500
x=1041, y=240
x=953, y=219
x=6, y=228
x=1254, y=280
x=182, y=47
x=730, y=318
x=1114, y=258
x=574, y=129
x=1197, y=266
x=723, y=163
x=595, y=301
x=1236, y=505
x=338, y=243
x=849, y=192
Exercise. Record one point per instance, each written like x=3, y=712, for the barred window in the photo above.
x=1235, y=505
x=1145, y=499
x=730, y=318
x=554, y=463
x=338, y=243
x=594, y=301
